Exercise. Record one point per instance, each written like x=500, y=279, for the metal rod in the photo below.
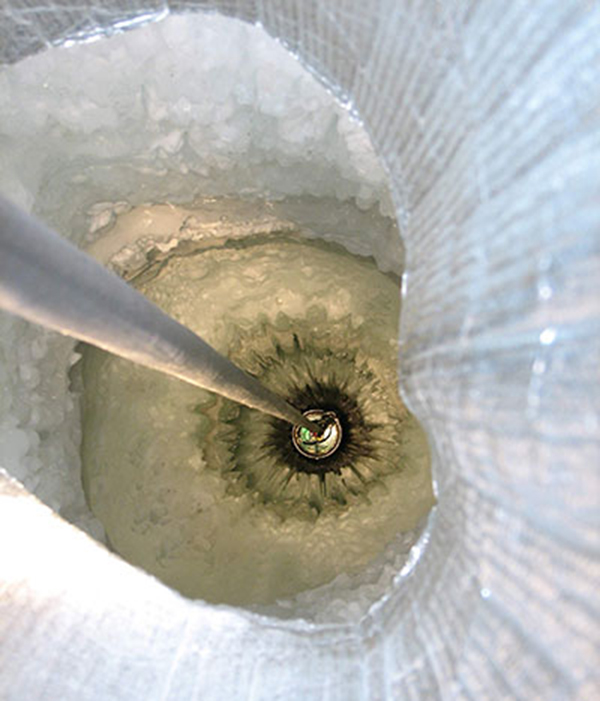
x=48, y=281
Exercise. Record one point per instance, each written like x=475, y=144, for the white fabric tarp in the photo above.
x=486, y=115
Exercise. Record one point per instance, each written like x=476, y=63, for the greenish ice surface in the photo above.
x=211, y=497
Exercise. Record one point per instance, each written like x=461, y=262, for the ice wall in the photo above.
x=486, y=116
x=191, y=106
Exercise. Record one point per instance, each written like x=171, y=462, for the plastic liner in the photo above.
x=486, y=118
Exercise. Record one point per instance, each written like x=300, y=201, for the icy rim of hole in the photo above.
x=67, y=189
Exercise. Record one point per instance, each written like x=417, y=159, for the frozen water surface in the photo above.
x=212, y=498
